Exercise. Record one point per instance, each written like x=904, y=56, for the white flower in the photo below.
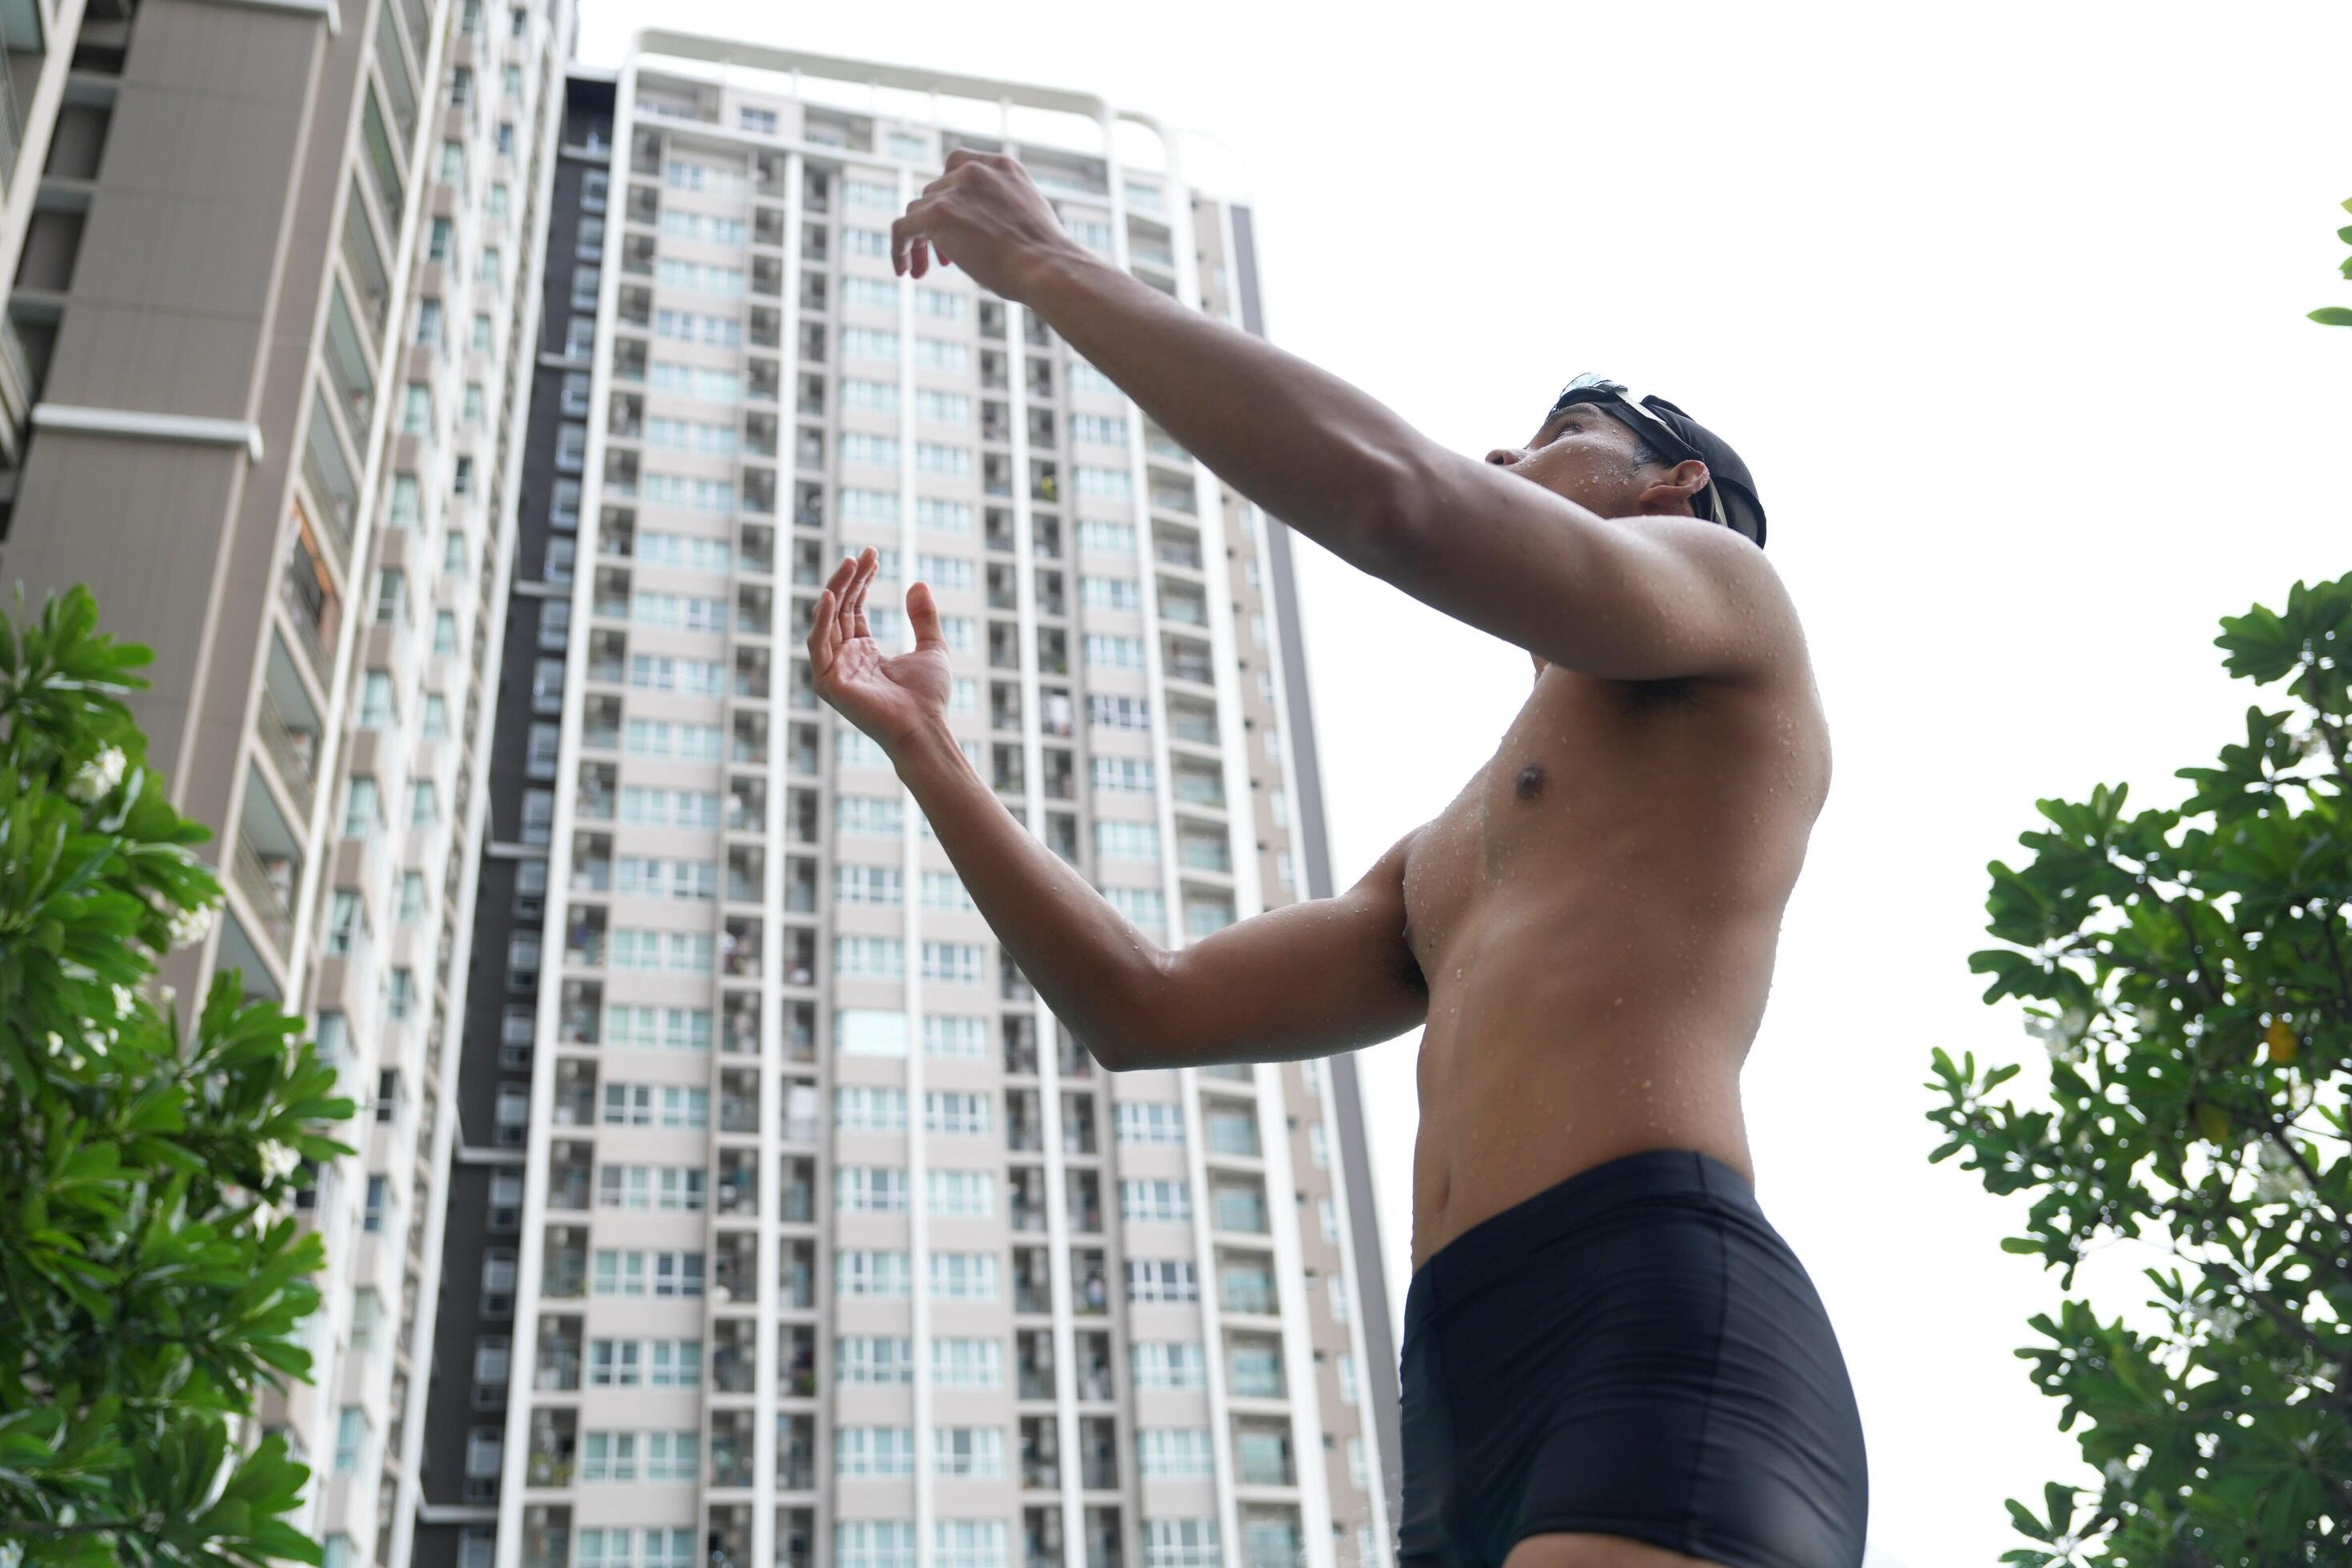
x=277, y=1158
x=57, y=1043
x=190, y=926
x=12, y=1552
x=123, y=1001
x=96, y=1039
x=95, y=778
x=263, y=1215
x=2118, y=1472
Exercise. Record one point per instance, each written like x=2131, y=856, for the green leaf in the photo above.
x=2332, y=316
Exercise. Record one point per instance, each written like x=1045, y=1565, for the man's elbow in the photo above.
x=1130, y=1042
x=1394, y=509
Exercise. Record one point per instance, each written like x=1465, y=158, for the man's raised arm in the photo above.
x=1310, y=449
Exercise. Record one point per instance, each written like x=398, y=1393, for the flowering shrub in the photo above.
x=2190, y=974
x=151, y=1278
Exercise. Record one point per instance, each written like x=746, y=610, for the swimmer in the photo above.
x=1610, y=1359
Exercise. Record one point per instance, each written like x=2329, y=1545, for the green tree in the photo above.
x=2337, y=315
x=152, y=1280
x=2190, y=974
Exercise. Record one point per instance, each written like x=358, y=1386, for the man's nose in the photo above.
x=1504, y=456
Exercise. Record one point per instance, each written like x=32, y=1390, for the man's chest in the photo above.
x=1584, y=762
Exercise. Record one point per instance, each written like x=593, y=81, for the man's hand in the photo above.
x=986, y=215
x=892, y=698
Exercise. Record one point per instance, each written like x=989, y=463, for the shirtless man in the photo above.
x=1610, y=1359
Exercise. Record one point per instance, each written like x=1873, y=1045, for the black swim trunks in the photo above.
x=1632, y=1352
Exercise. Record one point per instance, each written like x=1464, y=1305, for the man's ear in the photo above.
x=1682, y=482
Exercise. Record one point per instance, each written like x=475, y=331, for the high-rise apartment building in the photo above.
x=270, y=331
x=789, y=1227
x=50, y=135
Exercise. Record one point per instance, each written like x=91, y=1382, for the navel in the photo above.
x=1530, y=781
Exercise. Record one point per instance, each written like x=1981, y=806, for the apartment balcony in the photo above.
x=1028, y=1214
x=1200, y=852
x=288, y=725
x=796, y=1457
x=732, y=1370
x=1092, y=1292
x=267, y=861
x=734, y=1276
x=1262, y=1458
x=1032, y=1296
x=1231, y=1133
x=1024, y=1135
x=558, y=1370
x=739, y=1185
x=798, y=1277
x=571, y=1171
x=565, y=1274
x=1177, y=551
x=1183, y=607
x=1021, y=1046
x=547, y=1537
x=1241, y=1210
x=553, y=1447
x=1195, y=787
x=731, y=1453
x=1246, y=1288
x=1194, y=722
x=312, y=608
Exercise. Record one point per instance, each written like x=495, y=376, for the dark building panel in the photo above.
x=496, y=1061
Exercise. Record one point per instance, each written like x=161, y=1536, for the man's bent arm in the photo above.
x=1307, y=448
x=1089, y=962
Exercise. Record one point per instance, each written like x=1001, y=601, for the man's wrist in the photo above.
x=1047, y=271
x=930, y=747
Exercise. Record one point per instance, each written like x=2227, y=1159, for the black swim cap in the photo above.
x=1727, y=474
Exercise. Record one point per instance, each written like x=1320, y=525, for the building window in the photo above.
x=506, y=1201
x=485, y=1451
x=513, y=1116
x=498, y=1282
x=492, y=1353
x=351, y=1440
x=378, y=1206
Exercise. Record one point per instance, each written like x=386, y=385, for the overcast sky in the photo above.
x=2002, y=304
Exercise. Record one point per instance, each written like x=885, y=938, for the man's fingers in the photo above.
x=816, y=642
x=923, y=614
x=961, y=156
x=919, y=257
x=844, y=627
